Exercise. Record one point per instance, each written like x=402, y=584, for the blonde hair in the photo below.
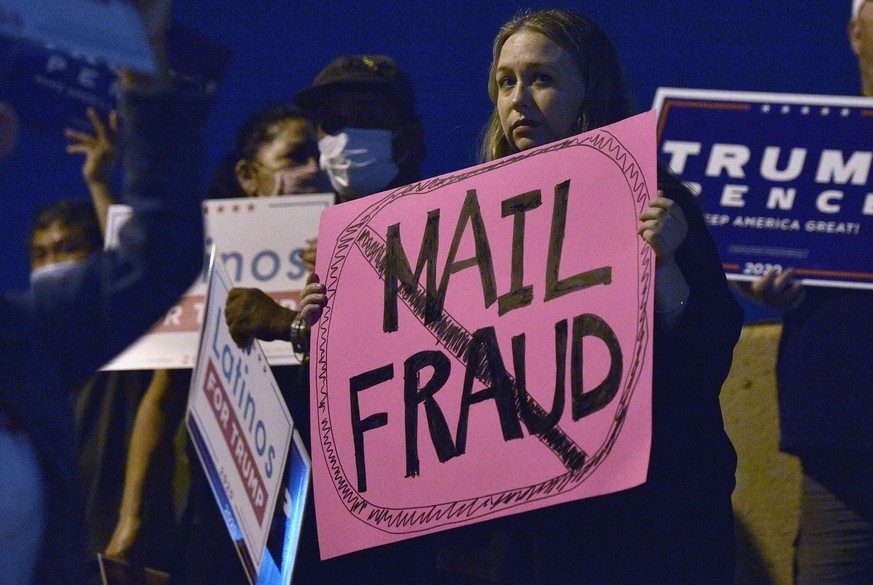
x=606, y=98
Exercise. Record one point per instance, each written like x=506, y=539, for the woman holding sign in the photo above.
x=555, y=74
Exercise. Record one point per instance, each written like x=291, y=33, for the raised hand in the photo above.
x=100, y=147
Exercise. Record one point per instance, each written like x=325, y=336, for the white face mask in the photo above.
x=358, y=161
x=53, y=272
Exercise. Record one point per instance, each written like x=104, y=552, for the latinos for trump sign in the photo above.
x=486, y=344
x=242, y=431
x=784, y=179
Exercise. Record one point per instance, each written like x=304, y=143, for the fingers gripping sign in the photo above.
x=663, y=226
x=314, y=298
x=308, y=255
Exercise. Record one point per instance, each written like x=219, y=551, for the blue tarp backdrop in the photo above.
x=279, y=46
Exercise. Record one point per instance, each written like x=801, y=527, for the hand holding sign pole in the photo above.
x=486, y=344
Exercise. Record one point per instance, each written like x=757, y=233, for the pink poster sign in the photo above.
x=486, y=348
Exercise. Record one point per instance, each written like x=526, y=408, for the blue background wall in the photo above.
x=279, y=46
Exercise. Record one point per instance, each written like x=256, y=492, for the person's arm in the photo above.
x=101, y=154
x=157, y=418
x=695, y=351
x=99, y=310
x=664, y=227
x=251, y=314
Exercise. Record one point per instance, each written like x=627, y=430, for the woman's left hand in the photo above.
x=663, y=226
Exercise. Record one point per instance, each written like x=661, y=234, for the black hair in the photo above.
x=258, y=129
x=255, y=131
x=71, y=213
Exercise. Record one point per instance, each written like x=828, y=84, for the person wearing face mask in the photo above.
x=370, y=140
x=275, y=153
x=69, y=324
x=64, y=235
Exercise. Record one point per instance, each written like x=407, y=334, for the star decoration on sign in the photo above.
x=786, y=109
x=765, y=108
x=825, y=111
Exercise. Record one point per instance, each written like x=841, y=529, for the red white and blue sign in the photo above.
x=784, y=179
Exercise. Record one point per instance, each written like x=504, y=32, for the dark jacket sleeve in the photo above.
x=98, y=311
x=696, y=354
x=692, y=458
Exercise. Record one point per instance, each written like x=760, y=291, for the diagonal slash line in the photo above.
x=456, y=339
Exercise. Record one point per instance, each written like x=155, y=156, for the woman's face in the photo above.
x=287, y=164
x=539, y=90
